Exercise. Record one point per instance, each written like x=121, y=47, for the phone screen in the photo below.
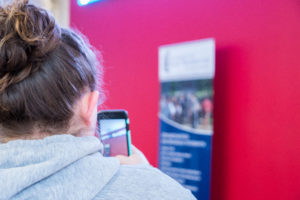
x=113, y=134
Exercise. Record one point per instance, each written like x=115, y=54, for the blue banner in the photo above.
x=186, y=157
x=186, y=72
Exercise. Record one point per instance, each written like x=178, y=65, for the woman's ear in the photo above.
x=88, y=107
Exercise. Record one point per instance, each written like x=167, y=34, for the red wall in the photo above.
x=256, y=146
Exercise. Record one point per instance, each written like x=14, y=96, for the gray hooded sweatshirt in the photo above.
x=67, y=167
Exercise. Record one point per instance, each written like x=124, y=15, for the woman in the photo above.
x=48, y=108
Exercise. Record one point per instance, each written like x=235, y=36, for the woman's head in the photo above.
x=44, y=71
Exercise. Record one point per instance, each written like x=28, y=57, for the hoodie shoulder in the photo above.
x=143, y=182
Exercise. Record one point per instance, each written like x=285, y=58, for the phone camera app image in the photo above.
x=114, y=132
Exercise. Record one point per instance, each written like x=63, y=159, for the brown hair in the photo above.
x=44, y=69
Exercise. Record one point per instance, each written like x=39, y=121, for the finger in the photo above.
x=122, y=159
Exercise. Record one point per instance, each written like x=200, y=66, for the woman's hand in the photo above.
x=136, y=158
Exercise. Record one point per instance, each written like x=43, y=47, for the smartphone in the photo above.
x=113, y=126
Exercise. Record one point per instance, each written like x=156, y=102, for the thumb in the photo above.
x=123, y=159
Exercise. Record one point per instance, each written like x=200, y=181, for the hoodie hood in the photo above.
x=57, y=167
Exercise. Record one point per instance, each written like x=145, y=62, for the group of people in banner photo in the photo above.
x=187, y=106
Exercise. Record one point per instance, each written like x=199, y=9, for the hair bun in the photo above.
x=27, y=35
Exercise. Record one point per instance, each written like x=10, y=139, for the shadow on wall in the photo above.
x=223, y=107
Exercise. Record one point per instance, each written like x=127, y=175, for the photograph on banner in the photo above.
x=188, y=103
